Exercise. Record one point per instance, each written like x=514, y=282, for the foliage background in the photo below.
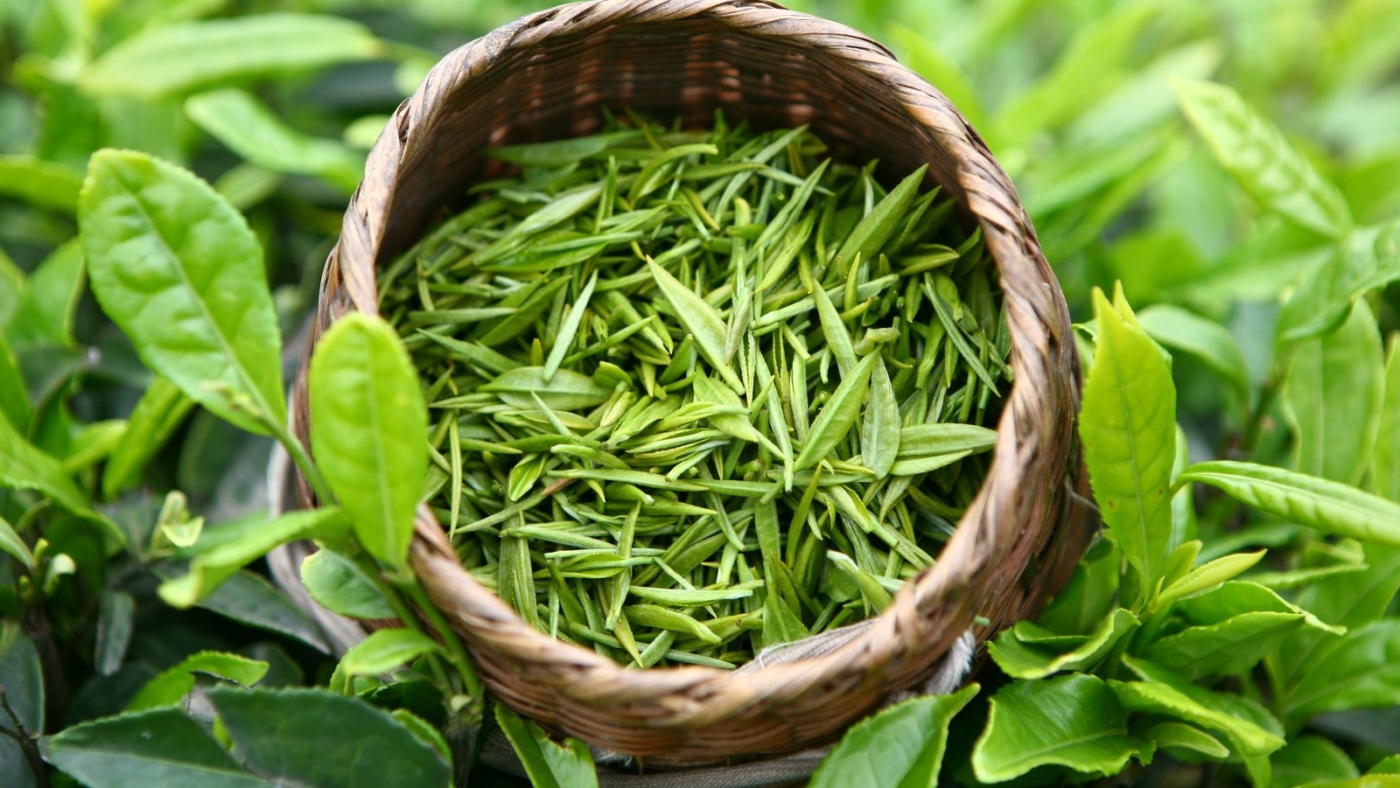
x=1075, y=98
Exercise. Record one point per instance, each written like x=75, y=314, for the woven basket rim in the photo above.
x=1042, y=359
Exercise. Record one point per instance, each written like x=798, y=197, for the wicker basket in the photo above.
x=546, y=76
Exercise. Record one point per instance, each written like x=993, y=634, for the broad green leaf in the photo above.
x=1366, y=260
x=24, y=467
x=178, y=270
x=158, y=747
x=338, y=586
x=1307, y=500
x=173, y=684
x=1236, y=598
x=901, y=747
x=1358, y=670
x=161, y=409
x=44, y=184
x=1310, y=759
x=1072, y=721
x=44, y=313
x=211, y=568
x=1253, y=150
x=1333, y=399
x=1247, y=726
x=549, y=764
x=1128, y=425
x=181, y=58
x=247, y=127
x=310, y=737
x=1351, y=601
x=385, y=650
x=246, y=597
x=1023, y=661
x=1185, y=742
x=1211, y=342
x=369, y=430
x=1227, y=648
x=1385, y=465
x=1090, y=595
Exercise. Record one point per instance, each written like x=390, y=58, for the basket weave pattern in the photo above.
x=547, y=76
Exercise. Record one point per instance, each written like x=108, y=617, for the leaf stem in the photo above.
x=304, y=463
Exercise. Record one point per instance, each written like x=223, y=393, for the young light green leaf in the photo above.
x=1307, y=500
x=875, y=229
x=1209, y=341
x=330, y=732
x=1357, y=671
x=10, y=542
x=1072, y=721
x=211, y=568
x=180, y=272
x=247, y=127
x=115, y=752
x=700, y=319
x=1206, y=577
x=369, y=430
x=179, y=58
x=1128, y=425
x=1253, y=150
x=338, y=585
x=24, y=467
x=1310, y=759
x=161, y=409
x=385, y=650
x=880, y=432
x=1248, y=727
x=1385, y=462
x=1367, y=259
x=1333, y=399
x=837, y=416
x=548, y=764
x=44, y=184
x=173, y=684
x=901, y=747
x=1029, y=661
x=1178, y=738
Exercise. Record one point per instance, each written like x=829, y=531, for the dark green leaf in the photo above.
x=369, y=431
x=549, y=765
x=249, y=599
x=1358, y=670
x=160, y=747
x=183, y=57
x=114, y=626
x=1072, y=721
x=1310, y=759
x=901, y=747
x=1128, y=425
x=176, y=267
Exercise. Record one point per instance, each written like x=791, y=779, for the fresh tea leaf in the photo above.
x=173, y=684
x=1385, y=463
x=132, y=749
x=178, y=270
x=1206, y=577
x=369, y=429
x=1249, y=728
x=1028, y=661
x=161, y=409
x=1227, y=648
x=901, y=747
x=248, y=598
x=549, y=765
x=250, y=129
x=337, y=585
x=44, y=312
x=1255, y=151
x=10, y=542
x=1356, y=671
x=1325, y=505
x=1211, y=342
x=1072, y=721
x=1185, y=741
x=179, y=58
x=24, y=467
x=1310, y=759
x=1333, y=399
x=1366, y=260
x=44, y=184
x=307, y=736
x=1128, y=425
x=384, y=650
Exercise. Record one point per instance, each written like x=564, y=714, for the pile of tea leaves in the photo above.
x=698, y=393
